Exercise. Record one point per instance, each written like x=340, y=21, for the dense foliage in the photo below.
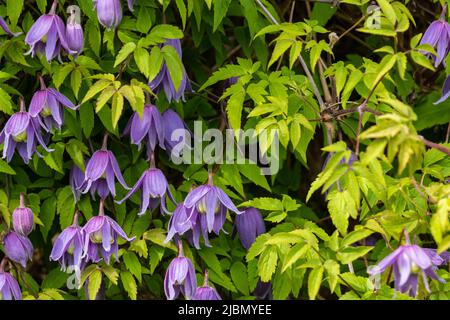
x=355, y=204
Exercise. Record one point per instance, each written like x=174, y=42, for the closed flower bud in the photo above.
x=23, y=218
x=74, y=31
x=109, y=13
x=18, y=248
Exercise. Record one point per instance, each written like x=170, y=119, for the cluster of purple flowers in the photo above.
x=97, y=240
x=18, y=248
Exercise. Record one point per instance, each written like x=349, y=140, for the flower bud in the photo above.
x=18, y=248
x=109, y=13
x=23, y=218
x=74, y=31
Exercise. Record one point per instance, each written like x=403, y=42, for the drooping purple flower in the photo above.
x=175, y=132
x=445, y=91
x=23, y=218
x=212, y=203
x=76, y=179
x=68, y=248
x=154, y=187
x=48, y=35
x=438, y=36
x=5, y=28
x=180, y=277
x=9, y=288
x=149, y=128
x=100, y=237
x=99, y=187
x=74, y=30
x=179, y=222
x=18, y=248
x=249, y=225
x=21, y=131
x=206, y=292
x=47, y=106
x=437, y=259
x=163, y=80
x=408, y=261
x=102, y=166
x=109, y=13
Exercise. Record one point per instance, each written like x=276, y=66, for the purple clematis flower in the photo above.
x=249, y=225
x=176, y=133
x=74, y=30
x=154, y=189
x=445, y=91
x=149, y=128
x=5, y=28
x=109, y=13
x=437, y=259
x=76, y=179
x=18, y=248
x=68, y=248
x=212, y=203
x=206, y=292
x=163, y=80
x=179, y=222
x=100, y=237
x=102, y=166
x=47, y=107
x=438, y=36
x=9, y=288
x=409, y=261
x=180, y=277
x=21, y=131
x=48, y=35
x=23, y=218
x=263, y=290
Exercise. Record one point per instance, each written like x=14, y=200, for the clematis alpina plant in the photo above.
x=5, y=28
x=249, y=226
x=163, y=80
x=409, y=261
x=48, y=35
x=101, y=234
x=154, y=187
x=21, y=132
x=23, y=218
x=175, y=132
x=47, y=107
x=18, y=248
x=109, y=13
x=206, y=292
x=9, y=288
x=180, y=277
x=74, y=30
x=102, y=166
x=68, y=248
x=148, y=129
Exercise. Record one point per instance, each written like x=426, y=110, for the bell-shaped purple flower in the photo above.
x=206, y=292
x=212, y=203
x=180, y=222
x=149, y=128
x=100, y=237
x=23, y=218
x=154, y=187
x=175, y=132
x=21, y=132
x=48, y=35
x=76, y=179
x=68, y=248
x=180, y=277
x=438, y=36
x=163, y=80
x=9, y=288
x=445, y=91
x=5, y=28
x=109, y=13
x=409, y=261
x=18, y=248
x=249, y=225
x=47, y=106
x=74, y=30
x=102, y=165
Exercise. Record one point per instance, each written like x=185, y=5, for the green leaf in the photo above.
x=77, y=150
x=220, y=11
x=61, y=74
x=314, y=282
x=65, y=206
x=421, y=60
x=333, y=271
x=174, y=64
x=95, y=281
x=124, y=53
x=239, y=276
x=267, y=263
x=129, y=284
x=132, y=263
x=388, y=11
x=6, y=168
x=270, y=204
x=116, y=109
x=6, y=105
x=47, y=215
x=234, y=108
x=281, y=47
x=13, y=10
x=350, y=254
